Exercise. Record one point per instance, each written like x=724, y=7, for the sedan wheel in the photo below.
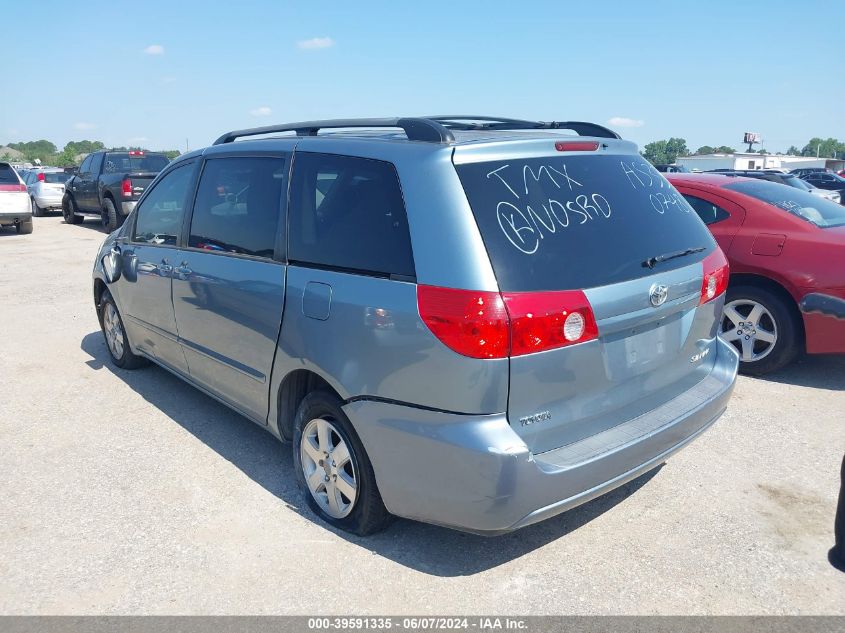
x=751, y=328
x=328, y=468
x=113, y=331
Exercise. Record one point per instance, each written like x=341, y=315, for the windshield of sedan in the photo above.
x=819, y=211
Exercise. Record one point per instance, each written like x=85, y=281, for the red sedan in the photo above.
x=786, y=249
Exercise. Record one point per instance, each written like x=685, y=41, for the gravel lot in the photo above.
x=131, y=492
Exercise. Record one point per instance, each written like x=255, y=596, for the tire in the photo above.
x=36, y=210
x=114, y=334
x=25, y=227
x=366, y=514
x=109, y=218
x=69, y=211
x=770, y=315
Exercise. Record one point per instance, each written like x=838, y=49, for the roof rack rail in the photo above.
x=417, y=129
x=473, y=122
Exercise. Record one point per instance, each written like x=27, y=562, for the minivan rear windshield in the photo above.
x=118, y=163
x=8, y=175
x=560, y=223
x=814, y=209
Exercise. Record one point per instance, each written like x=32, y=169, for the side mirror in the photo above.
x=111, y=264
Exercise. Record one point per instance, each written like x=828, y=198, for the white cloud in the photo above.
x=154, y=49
x=83, y=126
x=316, y=42
x=623, y=121
x=261, y=111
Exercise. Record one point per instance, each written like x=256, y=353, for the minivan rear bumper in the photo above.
x=474, y=473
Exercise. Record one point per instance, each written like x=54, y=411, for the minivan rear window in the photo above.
x=8, y=175
x=561, y=223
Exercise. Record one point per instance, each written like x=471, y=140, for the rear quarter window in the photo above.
x=558, y=222
x=348, y=213
x=8, y=176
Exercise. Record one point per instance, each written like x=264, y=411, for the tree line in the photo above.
x=70, y=155
x=666, y=152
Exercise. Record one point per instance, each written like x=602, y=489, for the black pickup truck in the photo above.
x=108, y=184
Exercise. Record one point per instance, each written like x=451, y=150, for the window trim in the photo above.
x=344, y=269
x=130, y=238
x=280, y=242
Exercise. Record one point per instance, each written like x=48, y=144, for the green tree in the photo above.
x=665, y=152
x=171, y=153
x=793, y=151
x=67, y=158
x=824, y=148
x=83, y=147
x=705, y=149
x=43, y=150
x=724, y=149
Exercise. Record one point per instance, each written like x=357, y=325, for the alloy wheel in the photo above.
x=751, y=328
x=328, y=468
x=113, y=331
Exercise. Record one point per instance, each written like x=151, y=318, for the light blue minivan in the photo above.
x=469, y=321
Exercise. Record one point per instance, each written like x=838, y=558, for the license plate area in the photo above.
x=642, y=349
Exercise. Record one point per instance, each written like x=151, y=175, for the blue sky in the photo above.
x=157, y=73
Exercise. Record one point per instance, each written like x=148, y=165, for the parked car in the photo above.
x=46, y=188
x=829, y=181
x=790, y=180
x=781, y=243
x=803, y=171
x=463, y=324
x=108, y=184
x=671, y=169
x=14, y=202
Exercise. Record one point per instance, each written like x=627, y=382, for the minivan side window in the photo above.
x=348, y=213
x=159, y=215
x=238, y=206
x=86, y=163
x=707, y=211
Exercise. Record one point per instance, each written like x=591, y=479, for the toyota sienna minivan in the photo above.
x=474, y=322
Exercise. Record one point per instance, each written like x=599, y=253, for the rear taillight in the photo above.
x=546, y=320
x=716, y=274
x=472, y=323
x=482, y=324
x=126, y=187
x=41, y=177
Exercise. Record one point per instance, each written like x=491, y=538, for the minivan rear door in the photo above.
x=605, y=222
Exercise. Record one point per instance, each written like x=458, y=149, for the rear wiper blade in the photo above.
x=651, y=262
